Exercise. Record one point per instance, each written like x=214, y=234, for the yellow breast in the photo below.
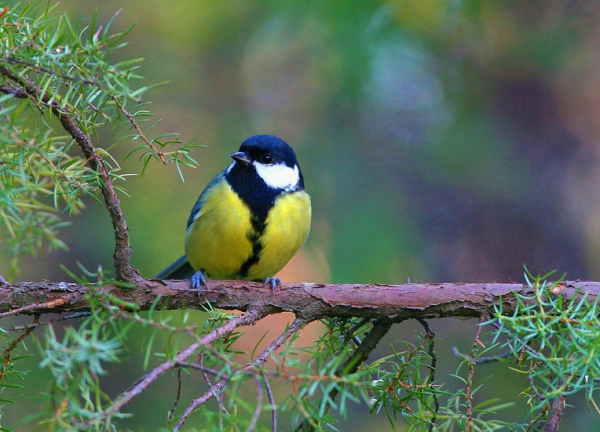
x=222, y=240
x=287, y=227
x=217, y=242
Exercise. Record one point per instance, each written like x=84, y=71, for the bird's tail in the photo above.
x=180, y=269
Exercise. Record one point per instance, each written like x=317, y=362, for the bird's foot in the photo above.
x=197, y=280
x=272, y=282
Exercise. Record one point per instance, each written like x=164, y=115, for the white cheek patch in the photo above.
x=278, y=176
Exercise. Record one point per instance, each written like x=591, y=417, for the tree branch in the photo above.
x=380, y=328
x=123, y=251
x=307, y=300
x=556, y=411
x=429, y=342
x=215, y=389
x=469, y=381
x=250, y=317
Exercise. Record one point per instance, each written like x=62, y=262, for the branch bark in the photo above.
x=306, y=300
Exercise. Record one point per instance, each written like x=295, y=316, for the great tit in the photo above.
x=250, y=219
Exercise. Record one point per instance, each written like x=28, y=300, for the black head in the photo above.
x=268, y=150
x=264, y=168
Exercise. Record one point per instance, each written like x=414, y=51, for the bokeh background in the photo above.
x=440, y=141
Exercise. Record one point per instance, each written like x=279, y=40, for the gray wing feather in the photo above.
x=180, y=269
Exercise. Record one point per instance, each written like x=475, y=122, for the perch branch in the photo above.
x=306, y=300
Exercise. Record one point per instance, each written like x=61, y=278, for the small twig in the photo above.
x=489, y=359
x=58, y=171
x=18, y=340
x=556, y=410
x=215, y=389
x=68, y=80
x=200, y=367
x=469, y=389
x=355, y=327
x=482, y=360
x=51, y=321
x=36, y=306
x=189, y=331
x=349, y=334
x=525, y=347
x=296, y=325
x=533, y=424
x=250, y=317
x=536, y=392
x=138, y=129
x=19, y=94
x=6, y=358
x=177, y=397
x=120, y=313
x=43, y=70
x=257, y=410
x=216, y=395
x=430, y=341
x=380, y=328
x=272, y=402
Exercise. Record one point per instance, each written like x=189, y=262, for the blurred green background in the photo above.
x=440, y=140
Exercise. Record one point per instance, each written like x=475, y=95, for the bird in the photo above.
x=249, y=220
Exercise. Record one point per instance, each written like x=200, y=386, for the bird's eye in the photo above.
x=267, y=159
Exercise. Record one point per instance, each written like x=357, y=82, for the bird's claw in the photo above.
x=272, y=282
x=197, y=281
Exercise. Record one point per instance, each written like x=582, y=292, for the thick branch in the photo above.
x=308, y=300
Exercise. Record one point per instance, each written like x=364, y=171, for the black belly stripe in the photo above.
x=258, y=226
x=260, y=198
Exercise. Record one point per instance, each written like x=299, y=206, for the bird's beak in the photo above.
x=241, y=157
